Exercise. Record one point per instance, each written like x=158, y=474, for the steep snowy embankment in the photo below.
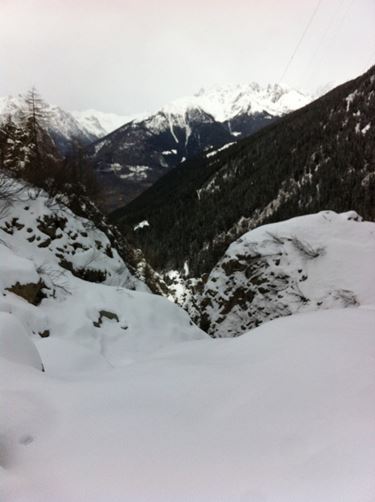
x=63, y=279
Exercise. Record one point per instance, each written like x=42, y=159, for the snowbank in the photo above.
x=15, y=344
x=282, y=413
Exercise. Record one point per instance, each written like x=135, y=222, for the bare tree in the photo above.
x=9, y=190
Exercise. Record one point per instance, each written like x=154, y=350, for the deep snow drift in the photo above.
x=282, y=413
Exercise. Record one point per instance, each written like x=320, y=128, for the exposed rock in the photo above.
x=105, y=314
x=31, y=292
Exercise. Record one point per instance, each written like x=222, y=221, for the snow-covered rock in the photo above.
x=63, y=278
x=312, y=262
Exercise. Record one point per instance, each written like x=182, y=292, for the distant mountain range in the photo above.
x=66, y=127
x=130, y=153
x=134, y=156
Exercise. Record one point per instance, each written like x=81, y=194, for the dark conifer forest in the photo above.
x=319, y=157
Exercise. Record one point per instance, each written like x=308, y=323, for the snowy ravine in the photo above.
x=282, y=413
x=109, y=393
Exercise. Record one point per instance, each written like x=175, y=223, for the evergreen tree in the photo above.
x=12, y=146
x=34, y=123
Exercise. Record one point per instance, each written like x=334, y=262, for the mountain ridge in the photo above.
x=132, y=158
x=316, y=158
x=66, y=127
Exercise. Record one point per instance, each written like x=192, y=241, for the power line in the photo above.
x=329, y=29
x=335, y=32
x=299, y=43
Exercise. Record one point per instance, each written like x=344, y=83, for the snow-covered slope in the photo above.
x=282, y=413
x=225, y=102
x=62, y=277
x=136, y=403
x=15, y=344
x=312, y=262
x=100, y=123
x=63, y=128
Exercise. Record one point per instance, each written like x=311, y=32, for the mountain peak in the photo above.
x=226, y=101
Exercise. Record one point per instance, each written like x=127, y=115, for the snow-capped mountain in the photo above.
x=134, y=156
x=226, y=102
x=99, y=124
x=66, y=127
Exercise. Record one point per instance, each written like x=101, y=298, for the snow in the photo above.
x=311, y=262
x=141, y=225
x=101, y=123
x=366, y=129
x=15, y=344
x=224, y=102
x=58, y=121
x=173, y=151
x=88, y=124
x=215, y=152
x=136, y=403
x=350, y=98
x=106, y=317
x=282, y=413
x=135, y=172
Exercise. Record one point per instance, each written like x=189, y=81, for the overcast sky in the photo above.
x=129, y=56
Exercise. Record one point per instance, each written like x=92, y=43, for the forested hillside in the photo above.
x=319, y=157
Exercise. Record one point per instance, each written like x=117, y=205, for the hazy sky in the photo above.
x=129, y=56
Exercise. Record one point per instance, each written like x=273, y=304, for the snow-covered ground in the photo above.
x=136, y=403
x=282, y=413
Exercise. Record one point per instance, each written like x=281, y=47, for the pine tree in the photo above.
x=34, y=121
x=12, y=141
